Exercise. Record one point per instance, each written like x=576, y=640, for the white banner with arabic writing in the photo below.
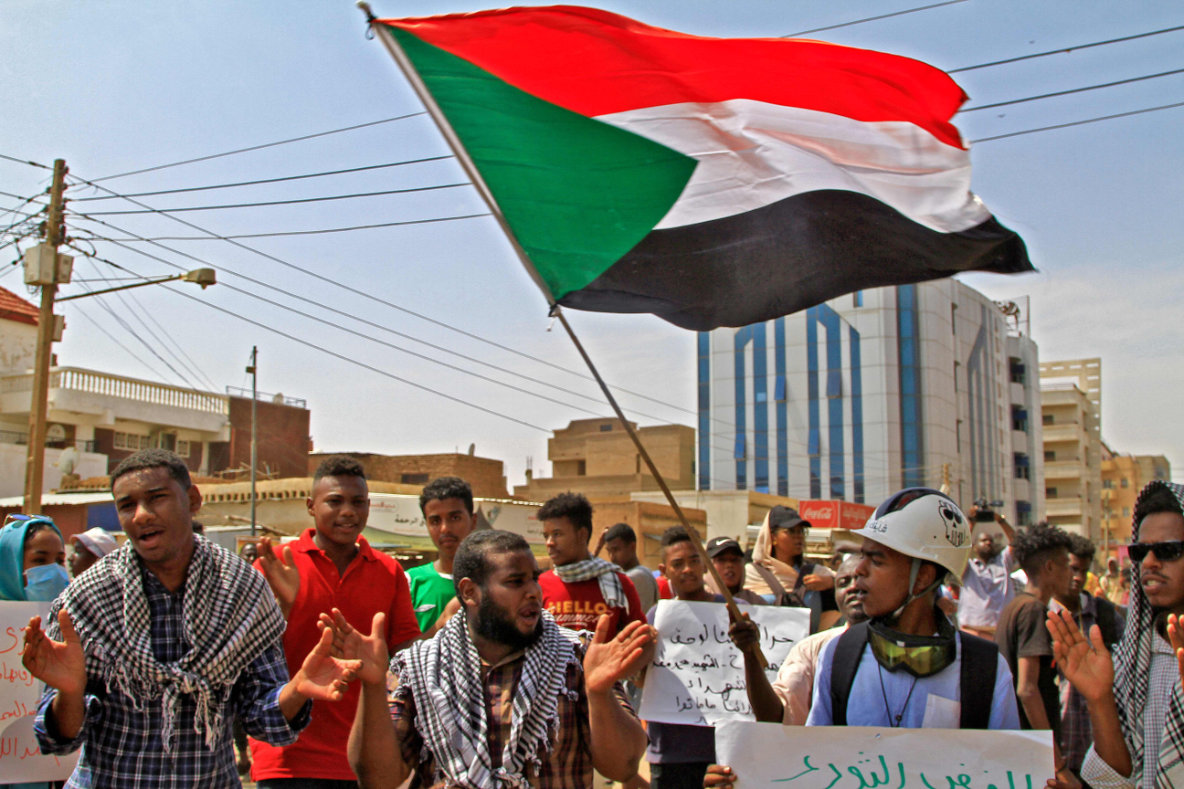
x=20, y=756
x=697, y=676
x=862, y=757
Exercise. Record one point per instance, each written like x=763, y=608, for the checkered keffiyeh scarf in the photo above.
x=443, y=676
x=230, y=618
x=1132, y=677
x=611, y=588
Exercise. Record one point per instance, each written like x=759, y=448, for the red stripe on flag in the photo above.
x=595, y=63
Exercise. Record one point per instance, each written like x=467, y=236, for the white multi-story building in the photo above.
x=872, y=392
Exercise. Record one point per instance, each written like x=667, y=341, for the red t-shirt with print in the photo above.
x=578, y=605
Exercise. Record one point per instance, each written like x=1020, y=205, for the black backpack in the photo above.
x=980, y=659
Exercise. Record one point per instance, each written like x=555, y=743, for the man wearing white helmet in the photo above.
x=905, y=667
x=908, y=666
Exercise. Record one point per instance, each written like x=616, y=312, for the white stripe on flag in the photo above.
x=752, y=154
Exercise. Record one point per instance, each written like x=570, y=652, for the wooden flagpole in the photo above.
x=470, y=169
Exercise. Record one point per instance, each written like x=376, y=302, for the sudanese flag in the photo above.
x=712, y=182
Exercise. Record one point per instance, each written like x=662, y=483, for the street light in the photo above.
x=46, y=267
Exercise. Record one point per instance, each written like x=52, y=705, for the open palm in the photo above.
x=1085, y=662
x=59, y=664
x=322, y=676
x=609, y=660
x=281, y=573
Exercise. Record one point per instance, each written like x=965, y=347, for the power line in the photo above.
x=293, y=201
x=873, y=18
x=1064, y=50
x=115, y=340
x=256, y=147
x=144, y=315
x=24, y=161
x=256, y=182
x=322, y=231
x=1072, y=90
x=358, y=363
x=451, y=352
x=1080, y=123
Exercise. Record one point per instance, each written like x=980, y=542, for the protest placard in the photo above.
x=20, y=757
x=697, y=676
x=772, y=756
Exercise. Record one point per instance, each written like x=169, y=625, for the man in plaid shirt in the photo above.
x=163, y=644
x=501, y=696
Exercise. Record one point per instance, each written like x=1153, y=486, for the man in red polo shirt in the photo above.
x=330, y=566
x=581, y=587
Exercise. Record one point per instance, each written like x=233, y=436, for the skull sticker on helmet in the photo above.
x=956, y=531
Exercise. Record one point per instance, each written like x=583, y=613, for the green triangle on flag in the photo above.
x=567, y=184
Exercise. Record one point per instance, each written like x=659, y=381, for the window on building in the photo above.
x=1126, y=483
x=1021, y=465
x=132, y=442
x=183, y=448
x=1107, y=483
x=1050, y=493
x=581, y=468
x=1126, y=512
x=857, y=298
x=606, y=428
x=1019, y=419
x=1018, y=371
x=1048, y=419
x=415, y=479
x=1049, y=456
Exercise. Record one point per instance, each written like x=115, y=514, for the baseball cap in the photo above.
x=97, y=540
x=786, y=518
x=718, y=545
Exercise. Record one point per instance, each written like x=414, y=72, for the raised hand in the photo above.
x=609, y=660
x=744, y=633
x=371, y=651
x=59, y=664
x=1176, y=636
x=322, y=676
x=281, y=574
x=1085, y=663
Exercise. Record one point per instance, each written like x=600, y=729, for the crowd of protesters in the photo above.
x=332, y=667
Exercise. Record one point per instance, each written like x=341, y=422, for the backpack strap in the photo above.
x=980, y=661
x=843, y=664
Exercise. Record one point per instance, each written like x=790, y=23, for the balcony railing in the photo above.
x=92, y=382
x=263, y=397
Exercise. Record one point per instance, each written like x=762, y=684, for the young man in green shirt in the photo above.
x=447, y=506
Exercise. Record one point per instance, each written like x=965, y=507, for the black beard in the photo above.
x=496, y=625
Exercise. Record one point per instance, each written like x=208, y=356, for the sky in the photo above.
x=429, y=337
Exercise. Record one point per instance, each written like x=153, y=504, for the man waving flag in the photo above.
x=712, y=182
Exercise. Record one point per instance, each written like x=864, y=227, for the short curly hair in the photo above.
x=1081, y=547
x=339, y=466
x=1036, y=544
x=573, y=506
x=442, y=488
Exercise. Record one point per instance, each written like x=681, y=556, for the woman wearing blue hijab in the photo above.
x=32, y=559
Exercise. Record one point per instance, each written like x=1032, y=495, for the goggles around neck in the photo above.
x=1168, y=551
x=921, y=656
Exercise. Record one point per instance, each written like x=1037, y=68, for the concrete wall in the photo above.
x=13, y=463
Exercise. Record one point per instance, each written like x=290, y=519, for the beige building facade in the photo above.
x=596, y=457
x=1070, y=399
x=1123, y=476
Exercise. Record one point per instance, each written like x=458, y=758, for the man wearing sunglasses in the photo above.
x=1136, y=706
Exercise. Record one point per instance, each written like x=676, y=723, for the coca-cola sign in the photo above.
x=834, y=514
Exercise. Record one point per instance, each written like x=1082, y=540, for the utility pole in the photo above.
x=38, y=405
x=253, y=370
